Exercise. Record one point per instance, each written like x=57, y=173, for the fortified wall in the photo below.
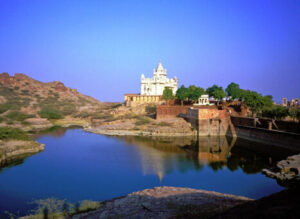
x=209, y=120
x=278, y=133
x=165, y=111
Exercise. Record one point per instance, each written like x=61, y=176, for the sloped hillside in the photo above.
x=22, y=97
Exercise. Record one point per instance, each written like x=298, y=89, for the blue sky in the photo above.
x=102, y=47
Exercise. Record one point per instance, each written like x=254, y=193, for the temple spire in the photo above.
x=159, y=68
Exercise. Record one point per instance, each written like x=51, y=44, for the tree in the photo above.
x=233, y=90
x=253, y=100
x=268, y=101
x=295, y=114
x=211, y=89
x=191, y=89
x=275, y=112
x=168, y=94
x=182, y=93
x=216, y=92
x=196, y=93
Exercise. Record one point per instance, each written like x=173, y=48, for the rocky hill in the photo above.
x=24, y=94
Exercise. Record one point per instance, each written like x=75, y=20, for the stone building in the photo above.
x=152, y=88
x=157, y=84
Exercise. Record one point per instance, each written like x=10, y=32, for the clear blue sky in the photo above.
x=102, y=47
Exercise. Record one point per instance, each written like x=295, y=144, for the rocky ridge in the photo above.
x=165, y=202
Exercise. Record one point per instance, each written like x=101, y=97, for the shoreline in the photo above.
x=135, y=133
x=15, y=150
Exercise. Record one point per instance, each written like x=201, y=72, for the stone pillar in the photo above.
x=270, y=125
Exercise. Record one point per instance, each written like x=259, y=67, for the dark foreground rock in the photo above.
x=284, y=204
x=166, y=202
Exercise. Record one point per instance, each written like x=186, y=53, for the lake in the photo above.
x=77, y=165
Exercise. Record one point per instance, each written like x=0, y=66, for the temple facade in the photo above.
x=152, y=88
x=157, y=84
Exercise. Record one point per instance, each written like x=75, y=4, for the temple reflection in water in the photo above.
x=162, y=155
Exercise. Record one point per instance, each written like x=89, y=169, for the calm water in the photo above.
x=77, y=165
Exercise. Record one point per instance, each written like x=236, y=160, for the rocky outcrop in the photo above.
x=12, y=150
x=286, y=170
x=164, y=202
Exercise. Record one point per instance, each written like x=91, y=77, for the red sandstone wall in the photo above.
x=164, y=111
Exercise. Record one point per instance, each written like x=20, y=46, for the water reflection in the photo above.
x=78, y=165
x=162, y=155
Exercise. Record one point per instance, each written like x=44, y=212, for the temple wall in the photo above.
x=141, y=99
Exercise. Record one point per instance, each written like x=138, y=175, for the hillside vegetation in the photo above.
x=22, y=98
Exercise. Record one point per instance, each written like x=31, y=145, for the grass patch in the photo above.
x=62, y=108
x=25, y=92
x=4, y=107
x=51, y=114
x=55, y=208
x=7, y=133
x=18, y=116
x=142, y=120
x=6, y=92
x=116, y=105
x=84, y=101
x=164, y=124
x=128, y=116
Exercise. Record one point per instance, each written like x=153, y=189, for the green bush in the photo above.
x=13, y=133
x=295, y=113
x=18, y=116
x=68, y=109
x=51, y=114
x=4, y=107
x=56, y=95
x=25, y=92
x=6, y=92
x=275, y=112
x=151, y=109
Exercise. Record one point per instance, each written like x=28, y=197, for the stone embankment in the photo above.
x=165, y=202
x=13, y=150
x=286, y=170
x=166, y=127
